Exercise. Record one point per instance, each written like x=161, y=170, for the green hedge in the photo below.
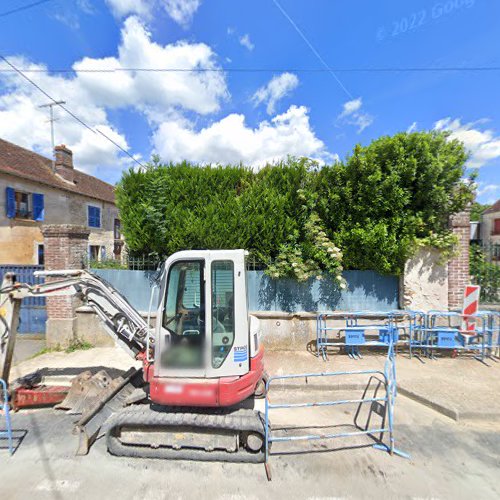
x=368, y=212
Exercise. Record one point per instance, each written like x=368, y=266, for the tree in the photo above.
x=369, y=212
x=392, y=195
x=477, y=210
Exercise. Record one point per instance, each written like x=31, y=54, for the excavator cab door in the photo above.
x=202, y=321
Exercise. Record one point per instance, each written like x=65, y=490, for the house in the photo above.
x=490, y=225
x=35, y=190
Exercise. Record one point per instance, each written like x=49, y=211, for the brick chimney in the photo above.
x=64, y=162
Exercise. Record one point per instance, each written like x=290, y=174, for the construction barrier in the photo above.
x=382, y=405
x=423, y=333
x=444, y=330
x=366, y=329
x=5, y=410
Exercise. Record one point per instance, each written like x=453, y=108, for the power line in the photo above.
x=311, y=46
x=394, y=69
x=23, y=7
x=75, y=117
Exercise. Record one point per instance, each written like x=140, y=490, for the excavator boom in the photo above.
x=120, y=319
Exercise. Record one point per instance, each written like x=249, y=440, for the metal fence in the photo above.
x=379, y=394
x=485, y=270
x=33, y=315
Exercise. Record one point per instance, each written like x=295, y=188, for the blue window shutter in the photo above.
x=11, y=202
x=94, y=216
x=38, y=206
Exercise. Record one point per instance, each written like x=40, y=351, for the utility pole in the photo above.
x=51, y=105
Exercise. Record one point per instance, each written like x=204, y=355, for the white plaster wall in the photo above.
x=425, y=282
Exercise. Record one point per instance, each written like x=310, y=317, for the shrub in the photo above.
x=369, y=212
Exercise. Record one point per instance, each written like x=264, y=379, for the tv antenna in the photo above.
x=51, y=105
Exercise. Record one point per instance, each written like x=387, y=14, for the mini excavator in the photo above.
x=200, y=363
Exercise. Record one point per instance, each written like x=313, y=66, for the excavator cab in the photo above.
x=203, y=330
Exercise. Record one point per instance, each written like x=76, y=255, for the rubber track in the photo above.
x=144, y=416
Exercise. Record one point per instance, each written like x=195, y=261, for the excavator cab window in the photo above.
x=222, y=310
x=184, y=316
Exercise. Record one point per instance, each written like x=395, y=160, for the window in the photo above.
x=94, y=216
x=184, y=316
x=40, y=255
x=94, y=252
x=117, y=249
x=496, y=226
x=222, y=311
x=117, y=228
x=24, y=205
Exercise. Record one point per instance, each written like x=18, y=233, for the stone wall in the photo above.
x=424, y=284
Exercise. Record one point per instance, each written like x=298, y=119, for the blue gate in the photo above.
x=33, y=310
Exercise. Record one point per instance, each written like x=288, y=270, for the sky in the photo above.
x=284, y=77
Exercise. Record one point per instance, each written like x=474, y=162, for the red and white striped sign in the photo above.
x=471, y=306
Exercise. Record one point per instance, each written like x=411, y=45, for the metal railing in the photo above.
x=6, y=413
x=423, y=334
x=384, y=404
x=363, y=329
x=444, y=330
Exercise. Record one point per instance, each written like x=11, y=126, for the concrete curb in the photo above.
x=448, y=412
x=453, y=413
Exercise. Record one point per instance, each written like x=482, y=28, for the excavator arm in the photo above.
x=120, y=319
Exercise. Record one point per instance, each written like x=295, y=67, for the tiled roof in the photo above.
x=494, y=208
x=26, y=164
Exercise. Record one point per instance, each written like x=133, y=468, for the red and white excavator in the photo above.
x=200, y=362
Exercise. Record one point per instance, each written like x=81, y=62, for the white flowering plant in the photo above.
x=309, y=256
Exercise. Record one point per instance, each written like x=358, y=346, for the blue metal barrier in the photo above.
x=5, y=410
x=388, y=380
x=378, y=330
x=443, y=330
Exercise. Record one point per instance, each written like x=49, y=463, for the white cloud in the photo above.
x=352, y=115
x=157, y=91
x=483, y=145
x=246, y=42
x=351, y=107
x=181, y=11
x=19, y=113
x=86, y=6
x=412, y=128
x=122, y=8
x=488, y=188
x=488, y=193
x=91, y=95
x=230, y=140
x=277, y=88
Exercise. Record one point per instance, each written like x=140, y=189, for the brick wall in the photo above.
x=458, y=267
x=65, y=248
